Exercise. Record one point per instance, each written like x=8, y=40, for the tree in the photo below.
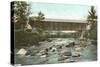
x=31, y=21
x=92, y=17
x=39, y=22
x=92, y=21
x=21, y=11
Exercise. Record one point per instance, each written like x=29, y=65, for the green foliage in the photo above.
x=92, y=15
x=40, y=17
x=93, y=33
x=39, y=22
x=92, y=20
x=31, y=21
x=26, y=39
x=21, y=12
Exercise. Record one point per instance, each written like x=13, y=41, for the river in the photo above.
x=88, y=53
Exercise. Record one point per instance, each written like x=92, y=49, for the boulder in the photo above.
x=53, y=49
x=43, y=51
x=78, y=49
x=22, y=51
x=82, y=44
x=76, y=54
x=32, y=51
x=66, y=53
x=67, y=46
x=64, y=56
x=58, y=46
x=43, y=56
x=49, y=40
x=71, y=44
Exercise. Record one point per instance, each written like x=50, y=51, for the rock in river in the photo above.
x=64, y=55
x=76, y=54
x=22, y=51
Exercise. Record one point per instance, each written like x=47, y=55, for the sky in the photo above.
x=60, y=11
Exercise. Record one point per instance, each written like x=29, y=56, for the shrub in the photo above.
x=26, y=39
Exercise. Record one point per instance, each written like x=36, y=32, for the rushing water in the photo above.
x=88, y=53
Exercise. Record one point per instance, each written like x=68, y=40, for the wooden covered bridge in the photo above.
x=63, y=24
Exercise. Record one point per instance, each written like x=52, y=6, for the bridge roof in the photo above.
x=65, y=20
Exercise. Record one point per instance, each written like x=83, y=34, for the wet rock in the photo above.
x=43, y=56
x=49, y=40
x=72, y=44
x=38, y=54
x=82, y=44
x=32, y=51
x=22, y=52
x=76, y=54
x=78, y=49
x=63, y=58
x=50, y=48
x=53, y=48
x=67, y=46
x=58, y=46
x=64, y=55
x=42, y=52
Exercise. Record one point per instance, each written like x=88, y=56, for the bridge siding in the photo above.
x=64, y=26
